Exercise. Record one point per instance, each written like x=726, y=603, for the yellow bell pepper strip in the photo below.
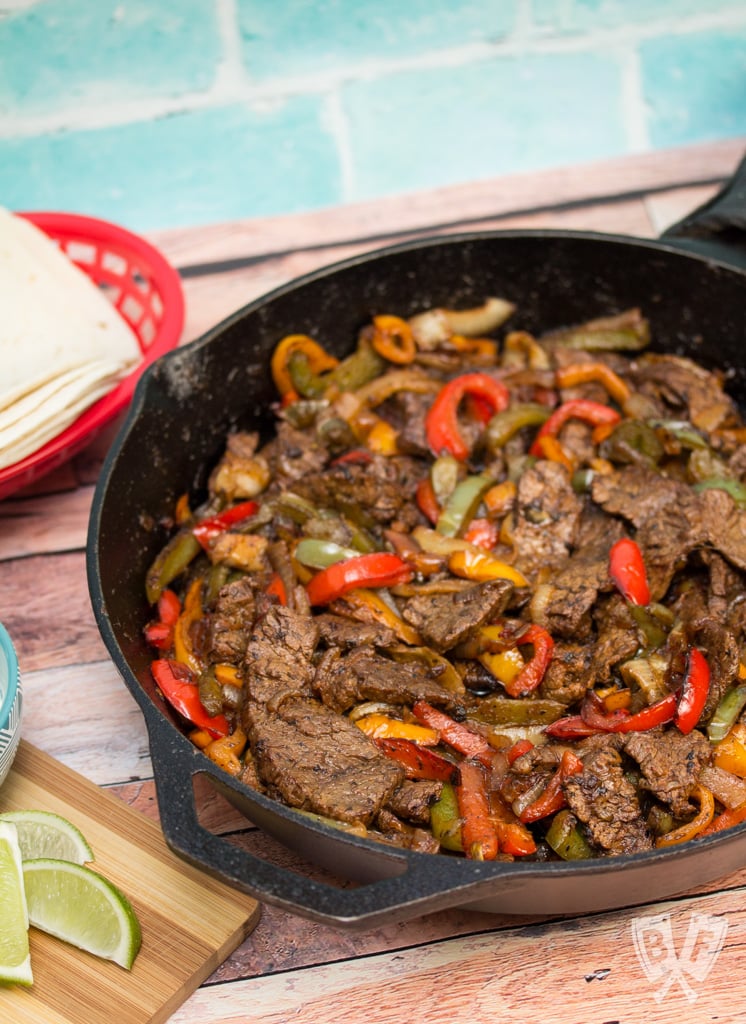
x=207, y=529
x=503, y=665
x=382, y=438
x=176, y=683
x=182, y=511
x=462, y=505
x=483, y=533
x=507, y=423
x=549, y=448
x=227, y=750
x=441, y=422
x=418, y=761
x=170, y=562
x=379, y=726
x=593, y=413
x=191, y=612
x=566, y=839
x=318, y=359
x=697, y=825
x=694, y=692
x=500, y=499
x=731, y=706
x=482, y=351
x=520, y=348
x=730, y=753
x=582, y=373
x=553, y=799
x=380, y=569
x=460, y=737
x=370, y=607
x=393, y=339
x=477, y=564
x=628, y=573
x=532, y=673
x=427, y=503
x=478, y=832
x=228, y=675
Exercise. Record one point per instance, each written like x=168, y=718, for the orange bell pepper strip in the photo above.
x=382, y=726
x=514, y=838
x=378, y=569
x=372, y=608
x=478, y=830
x=393, y=339
x=553, y=799
x=441, y=422
x=426, y=500
x=417, y=761
x=319, y=360
x=593, y=413
x=730, y=753
x=582, y=373
x=726, y=819
x=192, y=612
x=697, y=825
x=478, y=564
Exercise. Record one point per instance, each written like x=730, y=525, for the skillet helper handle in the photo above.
x=718, y=227
x=417, y=884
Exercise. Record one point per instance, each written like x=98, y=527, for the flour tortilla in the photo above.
x=62, y=343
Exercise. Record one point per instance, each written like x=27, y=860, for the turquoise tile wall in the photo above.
x=159, y=114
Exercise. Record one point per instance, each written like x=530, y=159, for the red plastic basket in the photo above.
x=146, y=291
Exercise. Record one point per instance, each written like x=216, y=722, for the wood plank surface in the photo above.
x=189, y=921
x=452, y=966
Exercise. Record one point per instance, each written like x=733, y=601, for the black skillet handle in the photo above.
x=718, y=227
x=417, y=885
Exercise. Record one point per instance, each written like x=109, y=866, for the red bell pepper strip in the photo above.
x=627, y=570
x=169, y=607
x=458, y=736
x=176, y=683
x=277, y=587
x=533, y=671
x=593, y=413
x=378, y=569
x=484, y=533
x=441, y=423
x=160, y=633
x=478, y=831
x=418, y=762
x=553, y=799
x=726, y=819
x=519, y=748
x=656, y=714
x=515, y=838
x=207, y=529
x=594, y=714
x=355, y=457
x=426, y=500
x=572, y=727
x=694, y=691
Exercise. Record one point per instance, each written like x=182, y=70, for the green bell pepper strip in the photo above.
x=632, y=442
x=319, y=554
x=735, y=488
x=170, y=562
x=726, y=713
x=508, y=422
x=462, y=505
x=445, y=820
x=566, y=839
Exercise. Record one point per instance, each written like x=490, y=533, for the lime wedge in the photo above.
x=44, y=834
x=75, y=903
x=15, y=957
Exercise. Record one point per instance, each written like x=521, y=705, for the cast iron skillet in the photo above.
x=189, y=400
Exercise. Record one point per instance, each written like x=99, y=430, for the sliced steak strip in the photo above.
x=694, y=393
x=293, y=453
x=232, y=621
x=445, y=620
x=723, y=525
x=278, y=655
x=363, y=674
x=568, y=676
x=671, y=764
x=547, y=516
x=314, y=760
x=605, y=801
x=338, y=631
x=414, y=798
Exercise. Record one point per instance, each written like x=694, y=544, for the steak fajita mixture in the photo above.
x=481, y=593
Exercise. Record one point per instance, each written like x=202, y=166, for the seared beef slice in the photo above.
x=606, y=802
x=444, y=620
x=278, y=655
x=314, y=759
x=671, y=764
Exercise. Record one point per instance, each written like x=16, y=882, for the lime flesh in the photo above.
x=76, y=904
x=44, y=834
x=15, y=957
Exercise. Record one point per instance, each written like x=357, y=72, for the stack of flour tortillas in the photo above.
x=62, y=343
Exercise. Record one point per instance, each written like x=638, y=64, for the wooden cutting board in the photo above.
x=190, y=922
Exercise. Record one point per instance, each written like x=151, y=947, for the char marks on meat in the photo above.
x=445, y=620
x=338, y=631
x=414, y=798
x=690, y=391
x=278, y=656
x=315, y=760
x=671, y=764
x=548, y=513
x=606, y=802
x=232, y=621
x=379, y=490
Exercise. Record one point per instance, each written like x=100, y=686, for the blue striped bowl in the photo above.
x=11, y=701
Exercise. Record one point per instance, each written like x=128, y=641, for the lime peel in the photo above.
x=80, y=906
x=46, y=834
x=15, y=955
